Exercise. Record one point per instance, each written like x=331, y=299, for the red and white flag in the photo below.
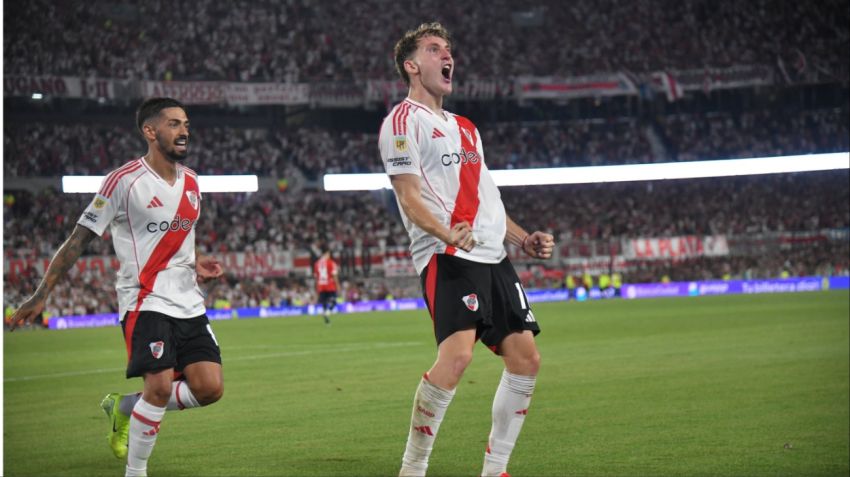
x=671, y=87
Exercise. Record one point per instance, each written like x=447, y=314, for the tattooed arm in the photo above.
x=64, y=259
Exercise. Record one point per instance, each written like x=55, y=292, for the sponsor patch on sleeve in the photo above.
x=399, y=162
x=90, y=217
x=99, y=202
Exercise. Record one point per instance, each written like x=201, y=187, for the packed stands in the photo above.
x=803, y=218
x=303, y=41
x=52, y=149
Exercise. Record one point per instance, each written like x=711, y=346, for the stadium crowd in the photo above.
x=304, y=41
x=542, y=37
x=279, y=221
x=52, y=149
x=826, y=258
x=730, y=206
x=756, y=134
x=268, y=221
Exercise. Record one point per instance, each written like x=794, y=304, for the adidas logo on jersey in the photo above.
x=437, y=134
x=155, y=202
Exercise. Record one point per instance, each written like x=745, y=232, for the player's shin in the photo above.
x=510, y=407
x=144, y=427
x=429, y=406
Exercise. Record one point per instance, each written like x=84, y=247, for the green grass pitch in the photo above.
x=714, y=386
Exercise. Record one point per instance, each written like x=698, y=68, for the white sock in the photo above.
x=144, y=426
x=181, y=397
x=429, y=406
x=510, y=406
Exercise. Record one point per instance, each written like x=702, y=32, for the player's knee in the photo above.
x=526, y=364
x=157, y=395
x=209, y=394
x=533, y=363
x=459, y=362
x=208, y=391
x=214, y=395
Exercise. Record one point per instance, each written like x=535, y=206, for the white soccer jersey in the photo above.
x=153, y=233
x=445, y=151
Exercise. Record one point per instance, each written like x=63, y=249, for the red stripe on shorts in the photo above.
x=131, y=318
x=431, y=288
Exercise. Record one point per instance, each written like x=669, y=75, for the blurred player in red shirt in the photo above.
x=327, y=282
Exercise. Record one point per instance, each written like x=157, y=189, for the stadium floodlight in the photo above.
x=625, y=173
x=339, y=182
x=236, y=183
x=241, y=183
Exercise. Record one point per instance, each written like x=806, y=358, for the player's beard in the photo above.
x=169, y=151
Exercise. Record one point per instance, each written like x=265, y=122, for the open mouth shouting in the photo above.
x=446, y=70
x=181, y=144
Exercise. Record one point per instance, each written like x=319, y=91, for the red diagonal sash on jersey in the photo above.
x=168, y=245
x=466, y=202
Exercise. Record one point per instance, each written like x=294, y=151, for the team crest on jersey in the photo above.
x=471, y=301
x=99, y=202
x=193, y=198
x=157, y=348
x=401, y=143
x=468, y=135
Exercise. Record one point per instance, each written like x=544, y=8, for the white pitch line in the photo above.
x=226, y=360
x=62, y=375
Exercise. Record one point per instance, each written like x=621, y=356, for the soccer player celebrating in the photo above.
x=457, y=224
x=151, y=205
x=327, y=282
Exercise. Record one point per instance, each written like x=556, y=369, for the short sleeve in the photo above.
x=102, y=209
x=398, y=143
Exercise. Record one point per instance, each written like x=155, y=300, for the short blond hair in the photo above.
x=408, y=43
